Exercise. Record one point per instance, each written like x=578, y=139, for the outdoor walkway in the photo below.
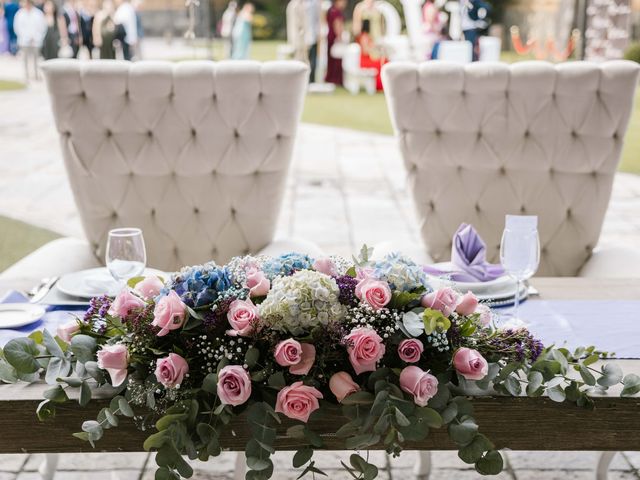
x=344, y=185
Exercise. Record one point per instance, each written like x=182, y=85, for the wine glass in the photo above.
x=126, y=256
x=520, y=251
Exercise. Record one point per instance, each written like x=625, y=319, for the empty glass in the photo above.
x=520, y=251
x=126, y=256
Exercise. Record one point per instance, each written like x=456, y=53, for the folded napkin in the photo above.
x=468, y=259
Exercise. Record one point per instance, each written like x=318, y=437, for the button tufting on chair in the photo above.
x=153, y=175
x=573, y=117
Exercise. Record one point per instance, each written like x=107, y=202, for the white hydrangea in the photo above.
x=302, y=301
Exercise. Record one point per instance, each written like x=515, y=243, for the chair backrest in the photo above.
x=489, y=49
x=194, y=153
x=487, y=139
x=455, y=51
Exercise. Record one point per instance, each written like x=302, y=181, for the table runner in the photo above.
x=610, y=325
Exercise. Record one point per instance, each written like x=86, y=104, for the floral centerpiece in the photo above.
x=286, y=338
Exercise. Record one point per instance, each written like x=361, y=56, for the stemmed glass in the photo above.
x=520, y=251
x=126, y=256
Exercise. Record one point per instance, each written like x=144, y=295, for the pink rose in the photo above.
x=288, y=352
x=234, y=385
x=375, y=292
x=485, y=314
x=444, y=300
x=114, y=359
x=341, y=384
x=169, y=313
x=467, y=304
x=242, y=316
x=170, y=371
x=149, y=287
x=410, y=350
x=422, y=385
x=257, y=283
x=325, y=265
x=124, y=303
x=306, y=360
x=299, y=357
x=298, y=401
x=67, y=329
x=470, y=364
x=365, y=349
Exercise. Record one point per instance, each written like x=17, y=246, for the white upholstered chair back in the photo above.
x=488, y=139
x=195, y=153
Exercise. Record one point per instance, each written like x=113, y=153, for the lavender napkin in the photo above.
x=468, y=259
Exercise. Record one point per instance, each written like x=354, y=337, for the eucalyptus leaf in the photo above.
x=474, y=451
x=20, y=353
x=83, y=347
x=50, y=343
x=556, y=394
x=611, y=375
x=210, y=383
x=57, y=367
x=463, y=432
x=490, y=464
x=302, y=456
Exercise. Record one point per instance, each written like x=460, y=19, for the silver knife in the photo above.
x=46, y=288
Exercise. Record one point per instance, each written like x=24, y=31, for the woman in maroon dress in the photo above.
x=335, y=21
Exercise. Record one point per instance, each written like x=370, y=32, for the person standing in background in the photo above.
x=51, y=43
x=104, y=30
x=335, y=22
x=85, y=15
x=31, y=27
x=367, y=10
x=126, y=22
x=242, y=34
x=312, y=10
x=4, y=32
x=10, y=10
x=72, y=35
x=226, y=27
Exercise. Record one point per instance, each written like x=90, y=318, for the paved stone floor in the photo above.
x=344, y=184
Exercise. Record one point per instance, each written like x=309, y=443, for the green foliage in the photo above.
x=633, y=52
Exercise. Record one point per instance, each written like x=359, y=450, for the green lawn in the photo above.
x=18, y=239
x=631, y=153
x=10, y=85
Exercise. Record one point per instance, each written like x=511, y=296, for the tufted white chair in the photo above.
x=194, y=153
x=487, y=139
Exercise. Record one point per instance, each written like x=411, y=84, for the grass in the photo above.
x=631, y=153
x=18, y=239
x=6, y=85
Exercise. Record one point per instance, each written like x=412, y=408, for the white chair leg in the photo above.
x=422, y=468
x=241, y=466
x=49, y=466
x=604, y=463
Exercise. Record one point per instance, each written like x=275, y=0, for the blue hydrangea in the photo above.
x=402, y=273
x=200, y=285
x=286, y=264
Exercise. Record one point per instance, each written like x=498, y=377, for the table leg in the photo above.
x=604, y=462
x=422, y=469
x=49, y=466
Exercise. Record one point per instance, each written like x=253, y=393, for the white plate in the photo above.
x=94, y=282
x=491, y=287
x=14, y=315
